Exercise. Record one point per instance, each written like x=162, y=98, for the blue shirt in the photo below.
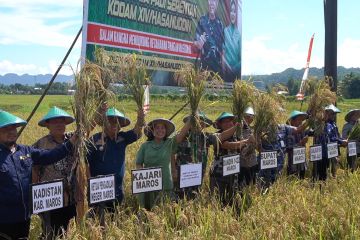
x=108, y=157
x=330, y=135
x=15, y=178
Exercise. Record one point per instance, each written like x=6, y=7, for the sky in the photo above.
x=35, y=35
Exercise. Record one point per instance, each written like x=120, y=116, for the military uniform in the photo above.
x=351, y=161
x=248, y=161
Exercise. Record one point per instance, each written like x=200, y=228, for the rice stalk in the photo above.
x=355, y=132
x=243, y=96
x=321, y=96
x=91, y=90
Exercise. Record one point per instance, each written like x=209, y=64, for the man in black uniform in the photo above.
x=209, y=39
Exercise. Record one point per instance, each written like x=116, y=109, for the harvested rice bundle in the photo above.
x=355, y=132
x=90, y=92
x=135, y=77
x=268, y=117
x=321, y=96
x=243, y=96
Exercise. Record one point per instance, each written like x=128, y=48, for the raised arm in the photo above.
x=140, y=122
x=183, y=132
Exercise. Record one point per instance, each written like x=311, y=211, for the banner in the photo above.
x=268, y=160
x=299, y=155
x=146, y=180
x=316, y=153
x=101, y=189
x=47, y=196
x=190, y=175
x=231, y=165
x=166, y=34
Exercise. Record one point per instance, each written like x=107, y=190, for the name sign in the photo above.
x=268, y=160
x=352, y=151
x=299, y=155
x=231, y=165
x=332, y=150
x=146, y=180
x=316, y=153
x=101, y=189
x=47, y=196
x=190, y=175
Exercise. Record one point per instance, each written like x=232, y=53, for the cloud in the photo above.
x=32, y=69
x=39, y=22
x=349, y=52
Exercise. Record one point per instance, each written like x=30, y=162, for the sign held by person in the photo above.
x=299, y=155
x=231, y=164
x=332, y=150
x=268, y=160
x=47, y=196
x=101, y=189
x=146, y=180
x=352, y=151
x=316, y=153
x=190, y=175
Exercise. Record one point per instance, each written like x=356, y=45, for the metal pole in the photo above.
x=51, y=81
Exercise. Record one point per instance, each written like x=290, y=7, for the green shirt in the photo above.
x=152, y=154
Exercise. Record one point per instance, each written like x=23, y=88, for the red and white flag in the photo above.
x=301, y=94
x=146, y=99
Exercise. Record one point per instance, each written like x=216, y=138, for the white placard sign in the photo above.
x=190, y=175
x=231, y=165
x=299, y=155
x=101, y=189
x=47, y=196
x=146, y=180
x=352, y=149
x=332, y=150
x=316, y=153
x=268, y=160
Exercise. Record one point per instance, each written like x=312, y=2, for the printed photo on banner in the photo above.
x=231, y=164
x=146, y=180
x=268, y=160
x=101, y=189
x=190, y=175
x=332, y=150
x=352, y=151
x=47, y=196
x=299, y=155
x=167, y=34
x=316, y=153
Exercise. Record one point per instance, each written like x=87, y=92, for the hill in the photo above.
x=26, y=79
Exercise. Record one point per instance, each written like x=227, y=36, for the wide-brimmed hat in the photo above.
x=8, y=119
x=332, y=107
x=223, y=115
x=352, y=113
x=202, y=118
x=169, y=125
x=250, y=111
x=56, y=112
x=123, y=120
x=295, y=114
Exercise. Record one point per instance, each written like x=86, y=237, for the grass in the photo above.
x=291, y=210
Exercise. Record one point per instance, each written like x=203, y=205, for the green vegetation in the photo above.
x=292, y=209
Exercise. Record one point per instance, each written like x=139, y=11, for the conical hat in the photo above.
x=113, y=112
x=170, y=127
x=351, y=113
x=56, y=112
x=223, y=115
x=8, y=119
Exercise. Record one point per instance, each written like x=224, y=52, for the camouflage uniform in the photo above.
x=293, y=141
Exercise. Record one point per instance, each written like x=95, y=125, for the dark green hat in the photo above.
x=294, y=114
x=113, y=112
x=223, y=115
x=332, y=107
x=56, y=112
x=202, y=117
x=7, y=119
x=170, y=127
x=351, y=113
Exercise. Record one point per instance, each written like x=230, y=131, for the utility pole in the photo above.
x=330, y=14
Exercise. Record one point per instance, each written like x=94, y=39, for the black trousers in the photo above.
x=225, y=187
x=247, y=175
x=14, y=231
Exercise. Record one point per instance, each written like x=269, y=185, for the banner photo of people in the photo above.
x=167, y=34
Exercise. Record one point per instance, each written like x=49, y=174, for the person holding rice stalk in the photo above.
x=157, y=152
x=352, y=119
x=56, y=220
x=296, y=140
x=16, y=162
x=225, y=185
x=106, y=154
x=330, y=135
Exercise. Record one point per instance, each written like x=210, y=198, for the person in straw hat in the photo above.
x=55, y=121
x=16, y=162
x=225, y=185
x=351, y=118
x=300, y=139
x=106, y=153
x=330, y=135
x=156, y=152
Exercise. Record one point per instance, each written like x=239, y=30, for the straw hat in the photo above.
x=170, y=127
